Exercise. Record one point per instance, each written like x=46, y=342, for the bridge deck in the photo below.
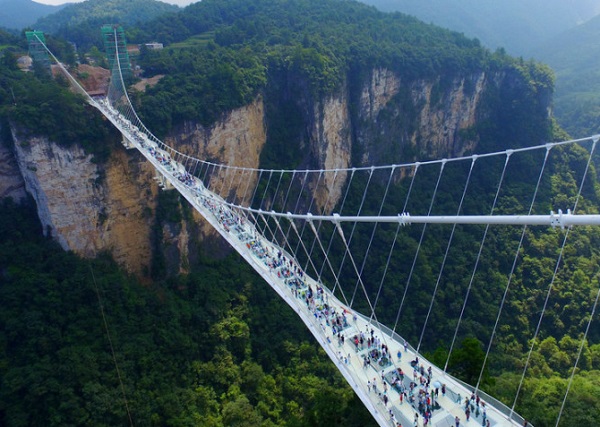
x=329, y=319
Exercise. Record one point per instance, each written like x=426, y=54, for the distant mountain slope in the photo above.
x=80, y=22
x=517, y=25
x=126, y=12
x=575, y=57
x=18, y=14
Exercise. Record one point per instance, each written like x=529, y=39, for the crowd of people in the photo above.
x=417, y=390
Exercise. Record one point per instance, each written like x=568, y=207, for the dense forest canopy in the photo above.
x=562, y=34
x=222, y=56
x=80, y=22
x=209, y=348
x=44, y=106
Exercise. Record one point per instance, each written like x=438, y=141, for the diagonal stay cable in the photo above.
x=412, y=268
x=513, y=267
x=347, y=243
x=333, y=232
x=551, y=285
x=112, y=348
x=364, y=262
x=587, y=329
x=582, y=344
x=408, y=194
x=439, y=279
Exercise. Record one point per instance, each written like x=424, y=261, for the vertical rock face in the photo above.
x=377, y=92
x=332, y=144
x=394, y=123
x=88, y=208
x=55, y=178
x=441, y=122
x=236, y=140
x=383, y=119
x=417, y=119
x=11, y=181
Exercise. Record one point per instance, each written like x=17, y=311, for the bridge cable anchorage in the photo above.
x=558, y=220
x=404, y=219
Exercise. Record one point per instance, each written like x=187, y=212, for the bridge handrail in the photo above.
x=498, y=405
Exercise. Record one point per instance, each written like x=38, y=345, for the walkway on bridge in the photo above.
x=380, y=366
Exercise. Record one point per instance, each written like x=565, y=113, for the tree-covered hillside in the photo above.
x=222, y=55
x=18, y=14
x=519, y=26
x=216, y=347
x=39, y=105
x=574, y=56
x=208, y=349
x=562, y=34
x=80, y=22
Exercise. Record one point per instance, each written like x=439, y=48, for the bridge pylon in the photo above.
x=37, y=48
x=115, y=45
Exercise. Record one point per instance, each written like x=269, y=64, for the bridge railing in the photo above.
x=497, y=404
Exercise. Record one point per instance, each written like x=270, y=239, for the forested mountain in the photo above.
x=332, y=49
x=574, y=57
x=198, y=339
x=519, y=26
x=18, y=14
x=563, y=34
x=80, y=22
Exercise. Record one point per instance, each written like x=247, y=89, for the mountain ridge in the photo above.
x=518, y=26
x=18, y=14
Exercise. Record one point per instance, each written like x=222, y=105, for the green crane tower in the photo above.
x=115, y=46
x=37, y=48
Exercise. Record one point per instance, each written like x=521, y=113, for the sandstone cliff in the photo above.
x=86, y=207
x=90, y=207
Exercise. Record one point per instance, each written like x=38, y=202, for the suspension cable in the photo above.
x=414, y=262
x=110, y=344
x=550, y=287
x=439, y=279
x=362, y=267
